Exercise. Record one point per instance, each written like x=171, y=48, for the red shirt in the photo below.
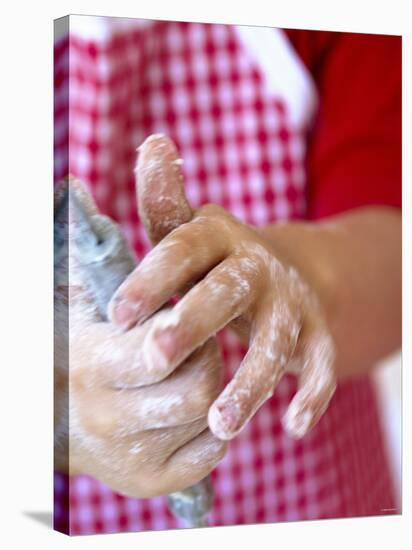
x=355, y=153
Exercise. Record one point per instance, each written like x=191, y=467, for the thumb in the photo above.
x=161, y=199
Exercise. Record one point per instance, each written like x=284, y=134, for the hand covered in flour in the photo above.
x=234, y=275
x=140, y=437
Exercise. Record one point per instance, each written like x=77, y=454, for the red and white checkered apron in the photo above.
x=198, y=84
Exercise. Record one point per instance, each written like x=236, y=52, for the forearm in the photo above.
x=354, y=263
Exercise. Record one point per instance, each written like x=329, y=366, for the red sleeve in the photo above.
x=354, y=149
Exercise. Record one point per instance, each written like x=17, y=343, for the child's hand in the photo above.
x=141, y=440
x=241, y=279
x=140, y=437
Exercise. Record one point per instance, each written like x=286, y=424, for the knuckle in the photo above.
x=200, y=402
x=95, y=415
x=83, y=378
x=77, y=377
x=101, y=423
x=179, y=241
x=210, y=350
x=220, y=451
x=322, y=385
x=141, y=485
x=205, y=393
x=200, y=397
x=212, y=210
x=209, y=365
x=217, y=218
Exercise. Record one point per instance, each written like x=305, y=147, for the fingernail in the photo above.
x=230, y=416
x=224, y=420
x=124, y=313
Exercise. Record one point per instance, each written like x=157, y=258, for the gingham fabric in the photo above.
x=199, y=84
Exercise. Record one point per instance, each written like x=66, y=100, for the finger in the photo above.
x=193, y=461
x=224, y=294
x=168, y=440
x=183, y=256
x=162, y=202
x=317, y=383
x=272, y=347
x=114, y=460
x=181, y=398
x=105, y=357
